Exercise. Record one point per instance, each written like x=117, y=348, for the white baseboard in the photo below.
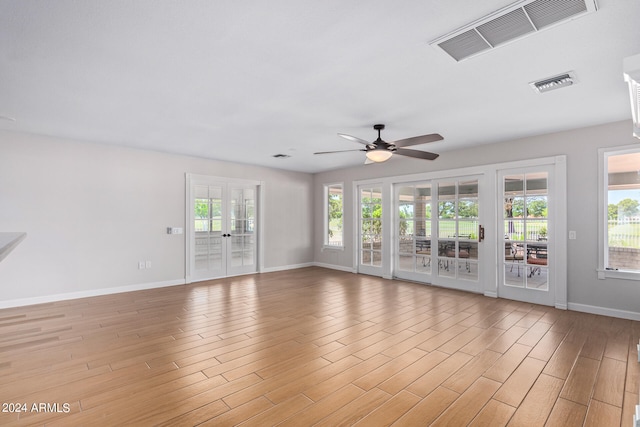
x=119, y=289
x=611, y=312
x=622, y=314
x=334, y=267
x=89, y=293
x=287, y=267
x=491, y=294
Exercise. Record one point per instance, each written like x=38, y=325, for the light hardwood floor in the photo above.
x=314, y=347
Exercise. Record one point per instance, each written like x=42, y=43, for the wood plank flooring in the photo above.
x=313, y=347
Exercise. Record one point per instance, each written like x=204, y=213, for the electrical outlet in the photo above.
x=141, y=265
x=147, y=264
x=572, y=235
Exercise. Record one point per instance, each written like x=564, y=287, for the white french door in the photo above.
x=222, y=228
x=438, y=232
x=527, y=245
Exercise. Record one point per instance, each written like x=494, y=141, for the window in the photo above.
x=334, y=210
x=620, y=213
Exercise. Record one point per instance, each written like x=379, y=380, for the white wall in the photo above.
x=92, y=211
x=585, y=291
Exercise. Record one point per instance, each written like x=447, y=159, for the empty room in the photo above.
x=327, y=213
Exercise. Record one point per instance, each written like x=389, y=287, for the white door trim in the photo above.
x=557, y=224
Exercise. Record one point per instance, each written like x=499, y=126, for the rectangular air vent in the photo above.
x=510, y=23
x=555, y=82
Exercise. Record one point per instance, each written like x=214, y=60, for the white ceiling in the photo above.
x=244, y=80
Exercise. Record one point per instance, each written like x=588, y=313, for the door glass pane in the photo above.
x=471, y=248
x=242, y=226
x=447, y=200
x=537, y=230
x=207, y=227
x=250, y=213
x=467, y=270
x=414, y=228
x=422, y=208
x=406, y=262
x=216, y=215
x=536, y=207
x=371, y=226
x=249, y=254
x=468, y=230
x=405, y=202
x=423, y=263
x=237, y=247
x=538, y=278
x=215, y=252
x=458, y=222
x=514, y=207
x=526, y=230
x=447, y=267
x=514, y=275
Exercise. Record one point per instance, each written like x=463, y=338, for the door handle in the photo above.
x=480, y=233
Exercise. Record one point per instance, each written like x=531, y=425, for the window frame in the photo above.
x=603, y=200
x=326, y=219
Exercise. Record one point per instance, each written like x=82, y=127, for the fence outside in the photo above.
x=624, y=233
x=624, y=243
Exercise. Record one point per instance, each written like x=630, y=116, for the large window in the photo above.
x=621, y=218
x=334, y=211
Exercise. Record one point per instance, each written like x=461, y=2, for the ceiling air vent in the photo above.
x=510, y=23
x=555, y=82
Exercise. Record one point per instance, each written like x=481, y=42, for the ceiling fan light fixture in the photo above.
x=379, y=155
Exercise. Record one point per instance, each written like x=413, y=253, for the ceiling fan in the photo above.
x=380, y=151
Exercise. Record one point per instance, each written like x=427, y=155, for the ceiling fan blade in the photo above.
x=416, y=140
x=417, y=154
x=354, y=139
x=339, y=151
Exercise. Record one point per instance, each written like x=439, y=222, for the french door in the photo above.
x=526, y=224
x=499, y=230
x=223, y=228
x=438, y=232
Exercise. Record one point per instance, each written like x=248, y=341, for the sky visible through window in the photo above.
x=615, y=196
